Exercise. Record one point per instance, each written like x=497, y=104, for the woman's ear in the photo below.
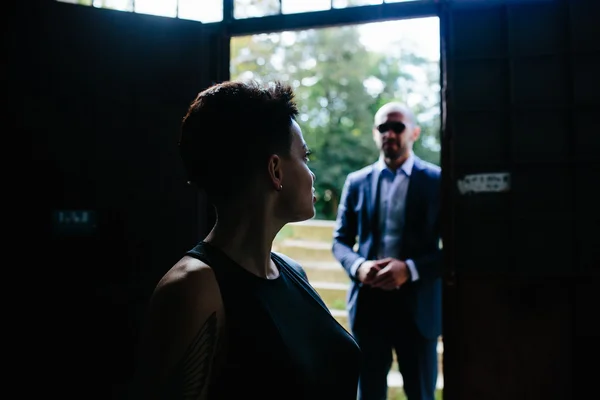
x=276, y=171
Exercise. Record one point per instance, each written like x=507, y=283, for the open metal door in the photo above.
x=521, y=216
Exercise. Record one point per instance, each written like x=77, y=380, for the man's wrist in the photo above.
x=354, y=268
x=412, y=269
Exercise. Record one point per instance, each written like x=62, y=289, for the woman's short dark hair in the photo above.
x=231, y=129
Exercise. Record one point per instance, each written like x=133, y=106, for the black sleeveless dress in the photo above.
x=281, y=341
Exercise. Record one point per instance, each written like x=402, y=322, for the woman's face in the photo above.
x=298, y=193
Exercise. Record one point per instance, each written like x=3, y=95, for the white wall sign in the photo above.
x=484, y=183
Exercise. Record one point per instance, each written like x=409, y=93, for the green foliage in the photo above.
x=340, y=84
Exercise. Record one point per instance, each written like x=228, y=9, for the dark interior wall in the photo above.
x=522, y=295
x=101, y=95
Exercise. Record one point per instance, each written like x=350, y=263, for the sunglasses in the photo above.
x=397, y=127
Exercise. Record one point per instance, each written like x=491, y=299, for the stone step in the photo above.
x=333, y=294
x=323, y=271
x=307, y=250
x=318, y=230
x=394, y=376
x=341, y=316
x=309, y=243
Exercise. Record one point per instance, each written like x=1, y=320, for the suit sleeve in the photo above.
x=346, y=228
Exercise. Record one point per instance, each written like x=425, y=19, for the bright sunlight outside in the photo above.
x=341, y=76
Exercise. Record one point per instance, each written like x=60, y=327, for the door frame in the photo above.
x=231, y=27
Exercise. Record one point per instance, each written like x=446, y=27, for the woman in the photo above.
x=231, y=319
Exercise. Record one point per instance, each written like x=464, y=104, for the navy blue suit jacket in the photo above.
x=421, y=239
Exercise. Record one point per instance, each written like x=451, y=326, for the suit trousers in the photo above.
x=384, y=324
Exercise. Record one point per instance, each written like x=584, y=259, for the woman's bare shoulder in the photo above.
x=188, y=282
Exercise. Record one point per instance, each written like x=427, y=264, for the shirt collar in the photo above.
x=406, y=167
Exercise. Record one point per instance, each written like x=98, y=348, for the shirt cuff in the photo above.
x=414, y=274
x=354, y=267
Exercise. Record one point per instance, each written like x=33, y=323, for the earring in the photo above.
x=279, y=188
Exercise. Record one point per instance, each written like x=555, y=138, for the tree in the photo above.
x=340, y=84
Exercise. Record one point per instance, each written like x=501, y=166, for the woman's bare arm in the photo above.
x=182, y=333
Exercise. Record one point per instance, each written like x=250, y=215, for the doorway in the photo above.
x=341, y=76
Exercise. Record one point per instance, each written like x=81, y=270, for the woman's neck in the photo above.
x=247, y=240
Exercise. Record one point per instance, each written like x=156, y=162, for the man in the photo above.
x=394, y=301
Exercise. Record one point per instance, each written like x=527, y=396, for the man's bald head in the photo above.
x=394, y=107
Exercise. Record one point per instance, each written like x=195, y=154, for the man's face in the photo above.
x=394, y=135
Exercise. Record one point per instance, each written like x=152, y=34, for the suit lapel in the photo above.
x=412, y=196
x=372, y=192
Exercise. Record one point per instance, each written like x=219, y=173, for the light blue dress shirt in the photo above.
x=393, y=187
